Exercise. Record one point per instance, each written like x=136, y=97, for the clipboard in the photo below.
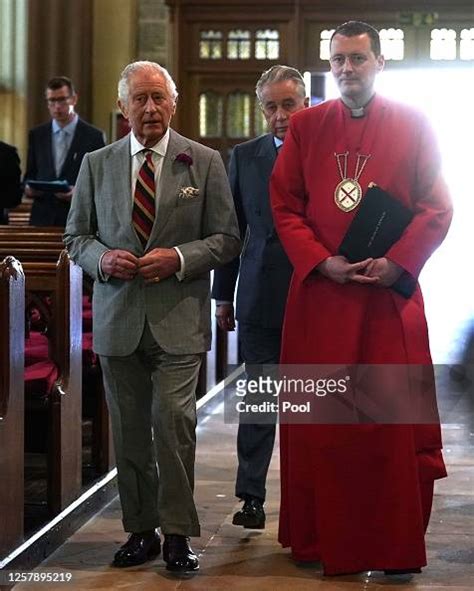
x=49, y=186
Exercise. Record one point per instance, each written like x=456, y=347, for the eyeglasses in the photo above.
x=60, y=100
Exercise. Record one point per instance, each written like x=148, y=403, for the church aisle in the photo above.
x=236, y=559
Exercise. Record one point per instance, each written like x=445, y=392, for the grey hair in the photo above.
x=280, y=73
x=124, y=81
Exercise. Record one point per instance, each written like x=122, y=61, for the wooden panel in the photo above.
x=12, y=342
x=63, y=283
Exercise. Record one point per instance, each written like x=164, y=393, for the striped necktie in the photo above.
x=143, y=214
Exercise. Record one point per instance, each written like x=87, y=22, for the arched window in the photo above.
x=393, y=44
x=324, y=39
x=443, y=44
x=238, y=45
x=466, y=48
x=210, y=114
x=210, y=45
x=238, y=115
x=267, y=44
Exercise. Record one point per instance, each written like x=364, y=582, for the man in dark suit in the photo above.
x=264, y=276
x=55, y=152
x=10, y=180
x=152, y=303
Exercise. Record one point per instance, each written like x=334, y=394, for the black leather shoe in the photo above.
x=139, y=548
x=251, y=516
x=178, y=554
x=402, y=571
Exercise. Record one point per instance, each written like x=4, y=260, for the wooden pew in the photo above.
x=20, y=215
x=44, y=251
x=44, y=244
x=12, y=341
x=62, y=282
x=47, y=232
x=31, y=243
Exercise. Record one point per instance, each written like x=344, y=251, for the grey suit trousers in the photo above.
x=152, y=404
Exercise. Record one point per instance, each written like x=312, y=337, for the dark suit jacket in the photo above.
x=265, y=270
x=48, y=210
x=10, y=180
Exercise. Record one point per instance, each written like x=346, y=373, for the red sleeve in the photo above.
x=288, y=199
x=432, y=206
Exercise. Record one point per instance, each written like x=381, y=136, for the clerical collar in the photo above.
x=356, y=113
x=359, y=112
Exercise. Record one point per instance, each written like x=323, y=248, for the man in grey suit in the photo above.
x=264, y=278
x=151, y=215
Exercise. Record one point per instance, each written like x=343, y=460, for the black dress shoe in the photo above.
x=139, y=548
x=251, y=516
x=402, y=571
x=178, y=554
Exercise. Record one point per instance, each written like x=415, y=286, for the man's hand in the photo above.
x=225, y=316
x=120, y=263
x=385, y=271
x=65, y=196
x=158, y=264
x=340, y=270
x=32, y=193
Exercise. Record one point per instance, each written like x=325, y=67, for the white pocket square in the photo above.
x=188, y=193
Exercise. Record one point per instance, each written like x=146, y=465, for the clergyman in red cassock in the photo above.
x=357, y=497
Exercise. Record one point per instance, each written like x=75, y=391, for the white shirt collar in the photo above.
x=159, y=148
x=277, y=141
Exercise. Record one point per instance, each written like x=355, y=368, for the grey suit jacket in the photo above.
x=204, y=227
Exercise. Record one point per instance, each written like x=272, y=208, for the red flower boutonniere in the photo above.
x=184, y=158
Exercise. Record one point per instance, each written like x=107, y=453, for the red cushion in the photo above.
x=36, y=348
x=86, y=302
x=40, y=378
x=86, y=320
x=88, y=356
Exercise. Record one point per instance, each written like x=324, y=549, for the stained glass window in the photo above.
x=267, y=44
x=466, y=48
x=210, y=114
x=238, y=45
x=443, y=44
x=393, y=44
x=210, y=45
x=238, y=115
x=324, y=39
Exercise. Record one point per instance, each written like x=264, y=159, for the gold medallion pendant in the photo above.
x=348, y=194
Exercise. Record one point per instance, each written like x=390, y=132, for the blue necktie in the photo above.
x=61, y=150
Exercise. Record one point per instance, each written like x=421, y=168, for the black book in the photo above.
x=378, y=224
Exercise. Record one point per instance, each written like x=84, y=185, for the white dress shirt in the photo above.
x=138, y=157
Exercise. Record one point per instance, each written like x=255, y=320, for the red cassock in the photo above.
x=357, y=497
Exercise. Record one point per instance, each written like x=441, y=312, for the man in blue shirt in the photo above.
x=55, y=152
